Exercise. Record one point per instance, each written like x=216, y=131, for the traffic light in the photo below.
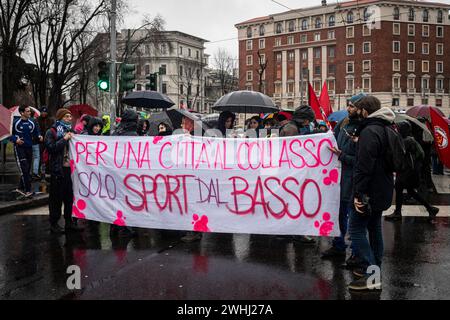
x=103, y=76
x=127, y=77
x=153, y=82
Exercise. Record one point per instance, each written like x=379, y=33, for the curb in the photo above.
x=20, y=205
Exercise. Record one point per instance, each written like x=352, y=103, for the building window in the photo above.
x=366, y=83
x=396, y=46
x=425, y=15
x=332, y=69
x=367, y=66
x=291, y=26
x=262, y=59
x=290, y=40
x=425, y=48
x=395, y=102
x=279, y=57
x=163, y=69
x=331, y=21
x=367, y=47
x=303, y=38
x=411, y=30
x=440, y=16
x=411, y=15
x=181, y=71
x=350, y=49
x=425, y=66
x=317, y=53
x=331, y=52
x=425, y=101
x=249, y=45
x=396, y=65
x=164, y=88
x=411, y=83
x=189, y=52
x=396, y=29
x=411, y=47
x=318, y=23
x=366, y=30
x=291, y=56
x=350, y=17
x=331, y=34
x=304, y=24
x=350, y=84
x=197, y=54
x=410, y=102
x=249, y=32
x=249, y=75
x=262, y=43
x=439, y=31
x=438, y=102
x=317, y=36
x=262, y=30
x=411, y=66
x=439, y=49
x=279, y=27
x=440, y=84
x=425, y=83
x=396, y=83
x=147, y=69
x=277, y=42
x=350, y=67
x=396, y=14
x=317, y=70
x=181, y=89
x=366, y=14
x=439, y=66
x=304, y=55
x=425, y=31
x=350, y=32
x=249, y=60
x=181, y=51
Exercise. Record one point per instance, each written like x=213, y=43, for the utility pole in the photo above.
x=113, y=70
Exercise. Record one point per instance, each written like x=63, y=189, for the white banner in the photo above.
x=285, y=186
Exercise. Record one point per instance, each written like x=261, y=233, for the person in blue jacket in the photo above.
x=23, y=133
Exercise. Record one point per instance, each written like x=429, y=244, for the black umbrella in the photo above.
x=246, y=102
x=148, y=99
x=176, y=116
x=155, y=119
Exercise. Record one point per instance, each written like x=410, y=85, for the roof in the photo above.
x=254, y=20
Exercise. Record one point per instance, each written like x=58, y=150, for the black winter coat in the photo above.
x=55, y=148
x=372, y=176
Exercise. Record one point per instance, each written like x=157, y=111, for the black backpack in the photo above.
x=396, y=156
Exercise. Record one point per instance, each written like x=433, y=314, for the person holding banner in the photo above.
x=226, y=122
x=302, y=123
x=373, y=190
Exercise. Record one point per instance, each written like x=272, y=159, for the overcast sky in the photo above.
x=212, y=20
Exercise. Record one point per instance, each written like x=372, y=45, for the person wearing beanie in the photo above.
x=302, y=123
x=60, y=190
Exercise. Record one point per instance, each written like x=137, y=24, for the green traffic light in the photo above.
x=103, y=85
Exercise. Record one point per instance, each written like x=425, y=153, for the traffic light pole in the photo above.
x=113, y=77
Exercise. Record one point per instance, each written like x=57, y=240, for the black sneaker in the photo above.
x=364, y=284
x=395, y=216
x=333, y=253
x=359, y=272
x=56, y=229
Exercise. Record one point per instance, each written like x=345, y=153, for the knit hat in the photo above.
x=357, y=97
x=61, y=113
x=304, y=113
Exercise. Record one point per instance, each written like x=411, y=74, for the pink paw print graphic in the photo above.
x=326, y=226
x=120, y=221
x=72, y=166
x=332, y=178
x=200, y=224
x=157, y=139
x=78, y=207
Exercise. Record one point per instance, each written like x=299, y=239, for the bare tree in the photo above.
x=190, y=73
x=262, y=66
x=225, y=65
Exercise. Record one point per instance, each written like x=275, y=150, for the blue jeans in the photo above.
x=344, y=212
x=369, y=250
x=36, y=158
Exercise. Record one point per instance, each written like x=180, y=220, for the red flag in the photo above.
x=314, y=103
x=441, y=137
x=324, y=100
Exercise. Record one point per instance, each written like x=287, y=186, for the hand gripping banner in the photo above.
x=284, y=186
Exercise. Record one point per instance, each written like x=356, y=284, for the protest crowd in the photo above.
x=366, y=148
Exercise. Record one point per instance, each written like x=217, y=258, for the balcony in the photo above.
x=290, y=94
x=331, y=93
x=367, y=90
x=425, y=92
x=277, y=95
x=396, y=91
x=440, y=92
x=411, y=91
x=349, y=91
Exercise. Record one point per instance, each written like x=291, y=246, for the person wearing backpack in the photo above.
x=410, y=178
x=373, y=188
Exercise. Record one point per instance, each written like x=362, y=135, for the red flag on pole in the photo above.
x=324, y=100
x=441, y=137
x=314, y=103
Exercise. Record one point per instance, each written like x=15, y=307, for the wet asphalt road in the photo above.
x=157, y=265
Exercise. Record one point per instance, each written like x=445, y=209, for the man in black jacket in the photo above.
x=373, y=190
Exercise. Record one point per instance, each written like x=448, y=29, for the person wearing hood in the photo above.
x=302, y=123
x=164, y=129
x=143, y=127
x=106, y=119
x=94, y=127
x=411, y=179
x=60, y=190
x=81, y=126
x=372, y=190
x=128, y=124
x=226, y=122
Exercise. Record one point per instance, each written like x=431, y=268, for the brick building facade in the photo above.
x=394, y=50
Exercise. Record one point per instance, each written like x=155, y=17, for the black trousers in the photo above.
x=61, y=192
x=24, y=158
x=399, y=187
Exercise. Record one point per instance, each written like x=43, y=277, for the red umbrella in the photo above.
x=423, y=111
x=79, y=109
x=6, y=120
